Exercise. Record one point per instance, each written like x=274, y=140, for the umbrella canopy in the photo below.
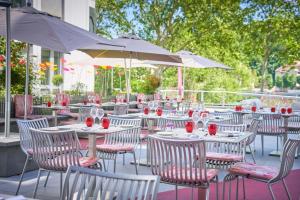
x=42, y=29
x=191, y=60
x=77, y=58
x=134, y=47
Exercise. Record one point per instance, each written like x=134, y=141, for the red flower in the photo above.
x=2, y=58
x=22, y=61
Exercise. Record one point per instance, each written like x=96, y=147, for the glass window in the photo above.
x=45, y=60
x=57, y=66
x=52, y=7
x=18, y=3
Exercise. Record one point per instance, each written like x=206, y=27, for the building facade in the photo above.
x=80, y=13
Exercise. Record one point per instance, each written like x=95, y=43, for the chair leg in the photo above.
x=271, y=191
x=37, y=183
x=104, y=166
x=286, y=189
x=237, y=189
x=115, y=163
x=22, y=175
x=123, y=159
x=277, y=141
x=135, y=165
x=46, y=181
x=252, y=154
x=217, y=187
x=176, y=192
x=60, y=184
x=262, y=144
x=244, y=191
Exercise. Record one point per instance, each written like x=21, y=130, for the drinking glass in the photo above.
x=196, y=118
x=93, y=113
x=100, y=113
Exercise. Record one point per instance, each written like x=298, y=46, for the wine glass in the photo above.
x=151, y=105
x=93, y=113
x=196, y=118
x=100, y=113
x=204, y=119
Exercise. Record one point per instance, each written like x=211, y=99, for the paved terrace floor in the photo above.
x=9, y=185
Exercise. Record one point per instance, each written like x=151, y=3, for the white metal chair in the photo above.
x=266, y=174
x=121, y=142
x=26, y=141
x=56, y=151
x=121, y=109
x=224, y=155
x=92, y=184
x=232, y=117
x=124, y=121
x=271, y=126
x=253, y=128
x=181, y=162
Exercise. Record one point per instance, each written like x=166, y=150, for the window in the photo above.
x=45, y=59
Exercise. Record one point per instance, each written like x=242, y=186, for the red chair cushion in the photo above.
x=253, y=171
x=115, y=148
x=185, y=175
x=223, y=157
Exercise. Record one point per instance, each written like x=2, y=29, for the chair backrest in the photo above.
x=123, y=121
x=233, y=118
x=120, y=109
x=287, y=158
x=253, y=128
x=232, y=127
x=271, y=124
x=55, y=150
x=25, y=137
x=19, y=101
x=92, y=184
x=294, y=121
x=129, y=136
x=174, y=122
x=178, y=161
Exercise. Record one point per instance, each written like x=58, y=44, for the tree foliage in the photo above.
x=253, y=37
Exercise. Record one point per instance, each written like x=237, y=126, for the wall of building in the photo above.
x=76, y=12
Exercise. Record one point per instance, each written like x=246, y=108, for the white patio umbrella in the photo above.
x=42, y=29
x=135, y=48
x=79, y=59
x=189, y=60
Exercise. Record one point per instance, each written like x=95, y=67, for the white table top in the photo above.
x=221, y=137
x=95, y=129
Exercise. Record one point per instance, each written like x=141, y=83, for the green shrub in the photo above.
x=57, y=80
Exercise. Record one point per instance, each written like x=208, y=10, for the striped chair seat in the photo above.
x=225, y=157
x=251, y=170
x=186, y=175
x=115, y=148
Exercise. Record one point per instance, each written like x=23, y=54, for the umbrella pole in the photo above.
x=183, y=81
x=126, y=81
x=26, y=82
x=7, y=75
x=130, y=63
x=112, y=80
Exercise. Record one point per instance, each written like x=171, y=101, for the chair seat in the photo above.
x=251, y=170
x=144, y=134
x=180, y=175
x=84, y=142
x=63, y=162
x=225, y=157
x=115, y=148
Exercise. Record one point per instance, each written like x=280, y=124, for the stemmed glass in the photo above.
x=204, y=119
x=196, y=118
x=93, y=113
x=100, y=113
x=151, y=105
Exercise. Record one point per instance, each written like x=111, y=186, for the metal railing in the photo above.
x=227, y=98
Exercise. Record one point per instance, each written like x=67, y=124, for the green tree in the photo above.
x=18, y=68
x=279, y=82
x=298, y=79
x=289, y=80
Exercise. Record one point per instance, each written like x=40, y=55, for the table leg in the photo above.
x=92, y=145
x=55, y=117
x=285, y=136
